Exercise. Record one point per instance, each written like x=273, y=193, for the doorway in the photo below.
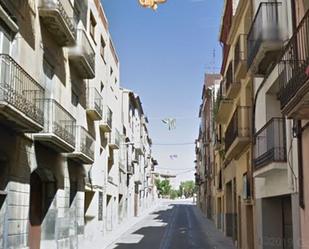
x=42, y=193
x=36, y=211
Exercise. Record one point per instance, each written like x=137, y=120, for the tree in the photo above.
x=187, y=188
x=174, y=194
x=164, y=187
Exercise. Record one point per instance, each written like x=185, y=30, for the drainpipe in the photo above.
x=299, y=134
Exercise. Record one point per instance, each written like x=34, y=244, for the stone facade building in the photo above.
x=64, y=156
x=261, y=126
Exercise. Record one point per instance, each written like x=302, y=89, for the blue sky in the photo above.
x=163, y=57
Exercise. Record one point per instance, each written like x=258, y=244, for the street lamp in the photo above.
x=151, y=3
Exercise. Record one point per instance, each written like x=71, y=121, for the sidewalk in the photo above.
x=112, y=237
x=216, y=238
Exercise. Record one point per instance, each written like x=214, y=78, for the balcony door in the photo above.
x=5, y=42
x=5, y=48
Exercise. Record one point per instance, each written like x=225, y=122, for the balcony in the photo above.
x=21, y=107
x=59, y=130
x=114, y=140
x=266, y=36
x=122, y=167
x=240, y=58
x=7, y=11
x=138, y=146
x=218, y=143
x=84, y=151
x=270, y=148
x=57, y=15
x=130, y=170
x=223, y=106
x=294, y=73
x=94, y=104
x=237, y=134
x=106, y=124
x=82, y=56
x=230, y=85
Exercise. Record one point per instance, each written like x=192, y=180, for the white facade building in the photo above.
x=64, y=176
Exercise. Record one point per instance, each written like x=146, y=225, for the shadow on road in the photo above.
x=151, y=236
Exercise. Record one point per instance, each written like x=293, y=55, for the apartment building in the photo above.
x=63, y=150
x=204, y=147
x=294, y=77
x=261, y=127
x=233, y=118
x=279, y=173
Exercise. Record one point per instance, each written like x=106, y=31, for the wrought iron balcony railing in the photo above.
x=94, y=103
x=58, y=16
x=270, y=143
x=20, y=95
x=110, y=179
x=231, y=86
x=106, y=124
x=59, y=127
x=240, y=50
x=114, y=139
x=267, y=27
x=84, y=150
x=239, y=126
x=223, y=105
x=294, y=65
x=82, y=55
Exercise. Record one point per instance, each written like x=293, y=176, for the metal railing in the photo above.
x=20, y=90
x=265, y=27
x=110, y=179
x=240, y=50
x=84, y=48
x=294, y=65
x=270, y=143
x=117, y=138
x=66, y=10
x=239, y=126
x=84, y=142
x=114, y=138
x=108, y=116
x=59, y=121
x=229, y=80
x=94, y=100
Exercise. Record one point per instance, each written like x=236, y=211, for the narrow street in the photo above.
x=174, y=225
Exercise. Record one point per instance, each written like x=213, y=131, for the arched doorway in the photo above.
x=42, y=192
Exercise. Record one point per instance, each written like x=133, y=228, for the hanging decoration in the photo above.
x=170, y=122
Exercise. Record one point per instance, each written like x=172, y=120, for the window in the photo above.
x=116, y=81
x=102, y=48
x=102, y=87
x=111, y=71
x=93, y=23
x=100, y=209
x=74, y=98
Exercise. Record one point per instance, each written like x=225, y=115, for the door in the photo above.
x=5, y=49
x=3, y=197
x=287, y=223
x=36, y=211
x=109, y=214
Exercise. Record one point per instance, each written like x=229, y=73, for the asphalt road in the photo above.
x=174, y=225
